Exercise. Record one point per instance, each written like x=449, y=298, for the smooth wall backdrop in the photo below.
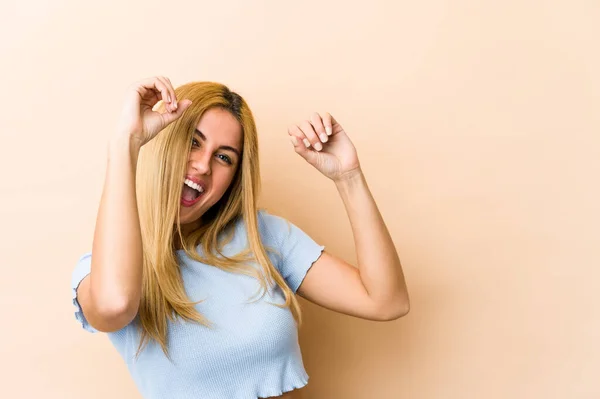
x=477, y=126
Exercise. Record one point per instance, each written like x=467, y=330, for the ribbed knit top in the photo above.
x=251, y=352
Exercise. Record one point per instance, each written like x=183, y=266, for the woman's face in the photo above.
x=214, y=158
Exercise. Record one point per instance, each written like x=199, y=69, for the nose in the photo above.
x=201, y=161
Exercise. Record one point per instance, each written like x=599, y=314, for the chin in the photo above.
x=187, y=217
x=187, y=220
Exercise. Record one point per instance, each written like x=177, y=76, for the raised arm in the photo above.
x=376, y=290
x=110, y=295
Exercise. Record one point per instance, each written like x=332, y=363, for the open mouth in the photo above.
x=191, y=193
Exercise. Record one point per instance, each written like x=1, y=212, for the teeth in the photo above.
x=193, y=185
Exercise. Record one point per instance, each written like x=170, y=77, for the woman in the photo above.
x=180, y=246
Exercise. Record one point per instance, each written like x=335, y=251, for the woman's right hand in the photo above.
x=138, y=121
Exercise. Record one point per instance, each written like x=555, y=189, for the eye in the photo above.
x=225, y=158
x=194, y=141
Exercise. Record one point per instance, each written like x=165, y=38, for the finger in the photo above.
x=317, y=123
x=297, y=137
x=172, y=90
x=174, y=94
x=328, y=121
x=311, y=136
x=169, y=117
x=160, y=88
x=170, y=102
x=150, y=96
x=146, y=90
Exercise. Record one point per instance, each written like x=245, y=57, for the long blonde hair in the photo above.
x=161, y=167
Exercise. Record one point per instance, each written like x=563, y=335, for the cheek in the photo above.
x=224, y=180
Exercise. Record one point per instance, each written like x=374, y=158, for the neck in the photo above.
x=186, y=229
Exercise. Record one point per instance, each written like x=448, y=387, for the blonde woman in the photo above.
x=195, y=285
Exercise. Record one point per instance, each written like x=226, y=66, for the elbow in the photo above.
x=403, y=311
x=117, y=309
x=114, y=302
x=396, y=310
x=112, y=315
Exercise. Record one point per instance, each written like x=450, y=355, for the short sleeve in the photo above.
x=297, y=250
x=82, y=269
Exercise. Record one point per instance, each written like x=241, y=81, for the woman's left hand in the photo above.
x=323, y=143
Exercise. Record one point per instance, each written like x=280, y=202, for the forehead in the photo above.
x=218, y=124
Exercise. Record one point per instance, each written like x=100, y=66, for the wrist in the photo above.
x=349, y=177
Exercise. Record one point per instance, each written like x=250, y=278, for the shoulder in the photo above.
x=271, y=229
x=274, y=230
x=271, y=223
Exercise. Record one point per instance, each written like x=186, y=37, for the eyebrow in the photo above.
x=223, y=147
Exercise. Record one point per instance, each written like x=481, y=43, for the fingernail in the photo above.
x=294, y=140
x=318, y=146
x=328, y=130
x=306, y=143
x=323, y=137
x=175, y=104
x=168, y=98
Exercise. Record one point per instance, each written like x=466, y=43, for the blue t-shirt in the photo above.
x=252, y=350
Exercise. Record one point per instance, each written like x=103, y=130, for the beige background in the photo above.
x=477, y=126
